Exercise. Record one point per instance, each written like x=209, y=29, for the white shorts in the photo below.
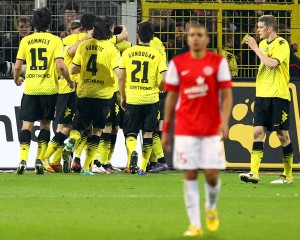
x=192, y=153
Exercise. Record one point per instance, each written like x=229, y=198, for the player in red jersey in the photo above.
x=199, y=90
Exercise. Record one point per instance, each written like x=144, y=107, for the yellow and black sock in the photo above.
x=158, y=149
x=25, y=139
x=113, y=140
x=81, y=144
x=57, y=155
x=288, y=157
x=76, y=136
x=131, y=142
x=43, y=140
x=256, y=156
x=92, y=145
x=146, y=152
x=105, y=148
x=56, y=142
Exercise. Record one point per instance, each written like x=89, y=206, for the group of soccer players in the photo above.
x=118, y=84
x=110, y=92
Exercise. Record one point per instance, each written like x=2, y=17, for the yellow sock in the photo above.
x=153, y=157
x=76, y=135
x=105, y=148
x=55, y=143
x=25, y=139
x=113, y=139
x=57, y=155
x=146, y=152
x=157, y=147
x=80, y=146
x=288, y=157
x=92, y=145
x=131, y=142
x=43, y=140
x=256, y=156
x=99, y=150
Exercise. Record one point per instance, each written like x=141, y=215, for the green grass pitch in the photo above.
x=122, y=206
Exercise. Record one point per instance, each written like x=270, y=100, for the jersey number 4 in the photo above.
x=138, y=69
x=40, y=57
x=92, y=65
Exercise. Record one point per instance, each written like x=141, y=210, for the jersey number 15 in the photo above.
x=40, y=57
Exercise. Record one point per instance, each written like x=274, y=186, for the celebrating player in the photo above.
x=193, y=83
x=95, y=60
x=271, y=107
x=139, y=68
x=41, y=51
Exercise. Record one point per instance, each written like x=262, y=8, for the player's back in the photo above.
x=97, y=59
x=40, y=50
x=142, y=64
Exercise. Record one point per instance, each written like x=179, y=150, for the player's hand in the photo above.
x=251, y=42
x=224, y=131
x=89, y=34
x=19, y=81
x=71, y=84
x=123, y=103
x=166, y=141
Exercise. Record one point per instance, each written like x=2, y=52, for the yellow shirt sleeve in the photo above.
x=22, y=50
x=77, y=60
x=113, y=40
x=281, y=51
x=122, y=46
x=122, y=62
x=59, y=50
x=162, y=67
x=115, y=61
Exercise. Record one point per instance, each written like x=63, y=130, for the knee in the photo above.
x=283, y=136
x=259, y=133
x=212, y=180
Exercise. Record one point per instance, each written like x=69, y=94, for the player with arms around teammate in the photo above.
x=43, y=52
x=271, y=107
x=139, y=69
x=95, y=60
x=194, y=82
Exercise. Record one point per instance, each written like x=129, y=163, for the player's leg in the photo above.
x=212, y=189
x=147, y=148
x=76, y=165
x=43, y=140
x=113, y=140
x=261, y=121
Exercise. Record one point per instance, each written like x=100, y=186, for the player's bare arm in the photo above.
x=122, y=79
x=171, y=101
x=269, y=62
x=62, y=68
x=161, y=86
x=17, y=72
x=123, y=35
x=72, y=50
x=226, y=106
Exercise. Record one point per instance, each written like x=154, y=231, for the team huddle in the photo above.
x=111, y=92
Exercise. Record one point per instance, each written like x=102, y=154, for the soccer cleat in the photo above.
x=86, y=172
x=133, y=162
x=21, y=168
x=76, y=166
x=115, y=168
x=142, y=173
x=66, y=155
x=108, y=168
x=47, y=166
x=127, y=170
x=193, y=231
x=39, y=168
x=282, y=180
x=212, y=220
x=97, y=169
x=159, y=167
x=249, y=177
x=57, y=167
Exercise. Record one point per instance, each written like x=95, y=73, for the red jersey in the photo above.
x=198, y=82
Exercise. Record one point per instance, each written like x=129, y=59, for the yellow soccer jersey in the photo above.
x=40, y=50
x=275, y=82
x=142, y=64
x=97, y=60
x=113, y=40
x=68, y=42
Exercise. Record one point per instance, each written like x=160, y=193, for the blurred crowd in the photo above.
x=170, y=27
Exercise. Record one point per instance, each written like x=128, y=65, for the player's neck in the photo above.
x=272, y=36
x=143, y=44
x=198, y=54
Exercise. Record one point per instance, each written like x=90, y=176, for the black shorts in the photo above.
x=65, y=108
x=91, y=111
x=114, y=113
x=140, y=117
x=37, y=107
x=272, y=113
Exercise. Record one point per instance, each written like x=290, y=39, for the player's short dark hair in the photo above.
x=87, y=21
x=102, y=28
x=146, y=31
x=269, y=21
x=72, y=6
x=41, y=19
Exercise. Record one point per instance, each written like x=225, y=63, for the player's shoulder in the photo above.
x=280, y=41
